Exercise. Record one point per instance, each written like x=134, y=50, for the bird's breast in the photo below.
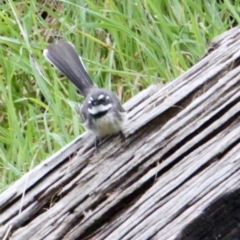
x=107, y=124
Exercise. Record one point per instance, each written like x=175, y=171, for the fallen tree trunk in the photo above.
x=181, y=152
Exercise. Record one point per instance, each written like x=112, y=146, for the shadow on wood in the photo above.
x=181, y=152
x=220, y=220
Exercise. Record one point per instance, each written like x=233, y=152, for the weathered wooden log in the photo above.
x=181, y=152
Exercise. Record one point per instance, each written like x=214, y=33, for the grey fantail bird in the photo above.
x=102, y=112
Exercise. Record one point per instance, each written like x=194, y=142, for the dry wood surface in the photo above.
x=181, y=152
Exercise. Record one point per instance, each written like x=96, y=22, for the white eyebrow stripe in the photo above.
x=91, y=99
x=107, y=97
x=100, y=108
x=101, y=96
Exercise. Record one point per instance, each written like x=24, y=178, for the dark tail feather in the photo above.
x=64, y=57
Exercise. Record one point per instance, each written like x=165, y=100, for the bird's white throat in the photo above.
x=100, y=108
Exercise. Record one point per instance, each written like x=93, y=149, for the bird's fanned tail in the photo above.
x=64, y=56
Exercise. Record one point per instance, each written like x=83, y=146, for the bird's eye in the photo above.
x=102, y=101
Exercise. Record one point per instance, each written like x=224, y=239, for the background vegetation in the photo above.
x=126, y=46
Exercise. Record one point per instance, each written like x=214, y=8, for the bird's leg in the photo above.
x=122, y=136
x=96, y=144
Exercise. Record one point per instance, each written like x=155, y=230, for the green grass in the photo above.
x=126, y=46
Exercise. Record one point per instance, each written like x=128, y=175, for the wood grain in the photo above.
x=181, y=152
